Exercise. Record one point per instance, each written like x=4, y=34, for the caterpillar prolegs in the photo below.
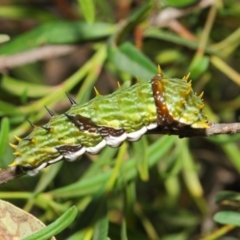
x=109, y=120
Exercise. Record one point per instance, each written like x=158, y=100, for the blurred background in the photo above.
x=161, y=187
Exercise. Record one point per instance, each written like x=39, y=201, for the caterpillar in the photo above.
x=126, y=114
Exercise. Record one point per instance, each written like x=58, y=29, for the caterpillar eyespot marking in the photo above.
x=126, y=114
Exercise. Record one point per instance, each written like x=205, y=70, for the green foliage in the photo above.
x=4, y=131
x=161, y=187
x=87, y=7
x=228, y=217
x=57, y=226
x=128, y=59
x=62, y=32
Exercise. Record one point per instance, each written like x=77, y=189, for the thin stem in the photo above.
x=226, y=69
x=220, y=232
x=207, y=29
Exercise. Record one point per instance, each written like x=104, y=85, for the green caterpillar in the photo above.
x=110, y=120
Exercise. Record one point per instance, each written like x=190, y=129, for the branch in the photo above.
x=41, y=53
x=214, y=129
x=11, y=173
x=7, y=175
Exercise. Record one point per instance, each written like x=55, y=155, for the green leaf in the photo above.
x=141, y=13
x=140, y=151
x=101, y=228
x=20, y=12
x=168, y=56
x=124, y=230
x=189, y=170
x=88, y=11
x=224, y=139
x=56, y=227
x=62, y=32
x=179, y=3
x=117, y=167
x=190, y=175
x=232, y=151
x=17, y=87
x=4, y=131
x=8, y=109
x=129, y=59
x=227, y=195
x=198, y=66
x=227, y=217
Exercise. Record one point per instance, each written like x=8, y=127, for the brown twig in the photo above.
x=214, y=129
x=41, y=53
x=9, y=174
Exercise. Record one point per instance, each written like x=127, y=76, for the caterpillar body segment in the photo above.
x=126, y=114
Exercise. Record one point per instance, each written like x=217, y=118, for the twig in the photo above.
x=6, y=175
x=214, y=129
x=41, y=53
x=9, y=174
